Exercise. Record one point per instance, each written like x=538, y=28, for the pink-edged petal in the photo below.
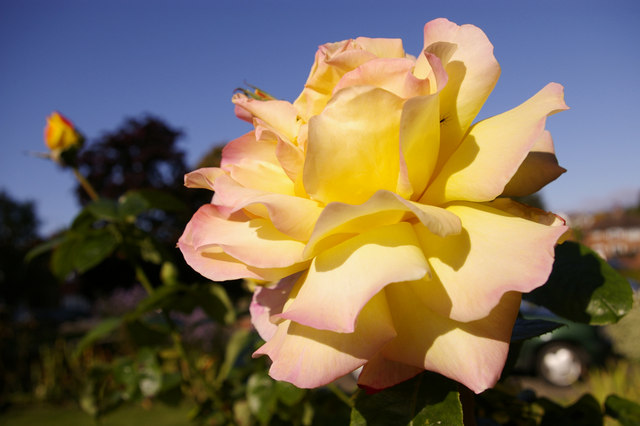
x=493, y=150
x=229, y=247
x=539, y=168
x=342, y=279
x=262, y=160
x=471, y=353
x=291, y=215
x=279, y=116
x=310, y=358
x=419, y=141
x=467, y=56
x=353, y=146
x=214, y=264
x=332, y=61
x=392, y=74
x=268, y=301
x=382, y=47
x=383, y=208
x=246, y=150
x=381, y=373
x=291, y=160
x=497, y=252
x=203, y=178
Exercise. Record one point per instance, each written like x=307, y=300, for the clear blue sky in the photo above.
x=99, y=62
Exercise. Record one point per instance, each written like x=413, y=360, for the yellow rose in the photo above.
x=379, y=211
x=59, y=133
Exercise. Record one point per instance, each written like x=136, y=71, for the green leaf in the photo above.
x=289, y=394
x=62, y=258
x=625, y=411
x=150, y=372
x=583, y=288
x=44, y=247
x=261, y=397
x=146, y=333
x=241, y=413
x=102, y=330
x=584, y=412
x=237, y=343
x=155, y=199
x=169, y=274
x=215, y=302
x=160, y=298
x=130, y=206
x=92, y=248
x=428, y=398
x=528, y=328
x=81, y=251
x=104, y=209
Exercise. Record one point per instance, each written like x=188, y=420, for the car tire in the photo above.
x=561, y=363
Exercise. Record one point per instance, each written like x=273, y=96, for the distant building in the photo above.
x=616, y=235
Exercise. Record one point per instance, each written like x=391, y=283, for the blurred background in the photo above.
x=149, y=85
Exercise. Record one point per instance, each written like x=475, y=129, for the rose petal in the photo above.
x=467, y=57
x=496, y=252
x=291, y=215
x=392, y=74
x=203, y=178
x=332, y=61
x=381, y=373
x=539, y=168
x=309, y=358
x=268, y=301
x=471, y=353
x=238, y=247
x=353, y=146
x=493, y=150
x=247, y=150
x=342, y=279
x=279, y=116
x=383, y=208
x=420, y=140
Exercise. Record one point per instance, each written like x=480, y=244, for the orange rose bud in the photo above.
x=59, y=133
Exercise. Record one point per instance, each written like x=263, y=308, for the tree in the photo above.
x=22, y=282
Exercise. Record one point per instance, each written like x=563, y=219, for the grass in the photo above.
x=128, y=415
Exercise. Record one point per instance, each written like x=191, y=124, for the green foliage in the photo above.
x=583, y=288
x=102, y=330
x=426, y=399
x=625, y=334
x=528, y=328
x=623, y=410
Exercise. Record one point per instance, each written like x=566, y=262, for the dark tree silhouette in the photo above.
x=143, y=154
x=20, y=282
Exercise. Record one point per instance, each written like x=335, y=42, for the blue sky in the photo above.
x=99, y=62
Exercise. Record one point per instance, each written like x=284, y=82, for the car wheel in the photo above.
x=561, y=363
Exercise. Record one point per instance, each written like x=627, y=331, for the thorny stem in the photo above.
x=177, y=341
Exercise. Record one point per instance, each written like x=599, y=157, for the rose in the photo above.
x=382, y=214
x=59, y=133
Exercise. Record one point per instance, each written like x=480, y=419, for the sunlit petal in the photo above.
x=353, y=146
x=342, y=279
x=493, y=150
x=310, y=358
x=471, y=353
x=470, y=270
